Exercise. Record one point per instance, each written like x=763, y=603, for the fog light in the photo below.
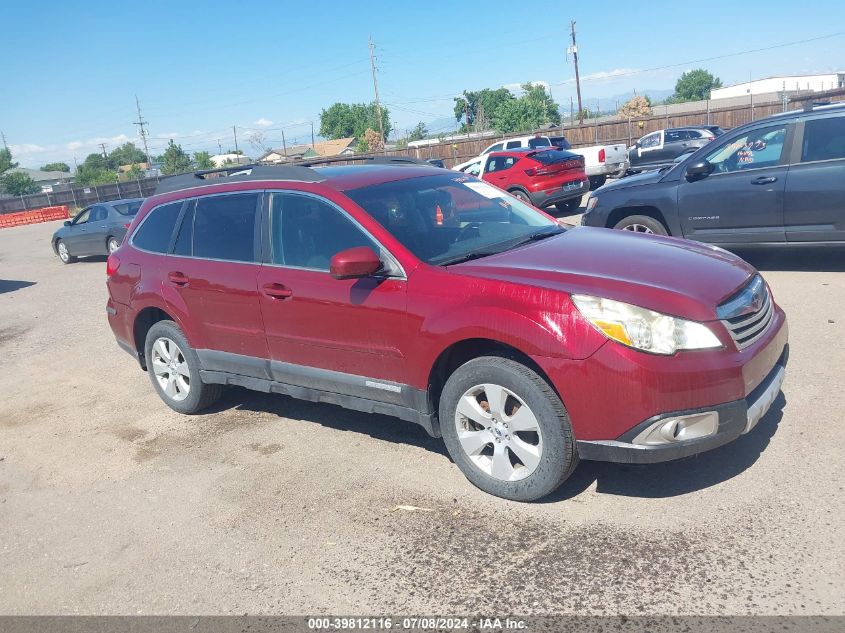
x=679, y=429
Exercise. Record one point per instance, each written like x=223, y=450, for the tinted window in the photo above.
x=758, y=148
x=512, y=145
x=473, y=168
x=539, y=142
x=157, y=228
x=824, y=139
x=675, y=136
x=184, y=244
x=445, y=217
x=500, y=163
x=82, y=216
x=493, y=148
x=224, y=227
x=547, y=157
x=307, y=232
x=98, y=214
x=128, y=208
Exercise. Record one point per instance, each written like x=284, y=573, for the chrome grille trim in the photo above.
x=746, y=328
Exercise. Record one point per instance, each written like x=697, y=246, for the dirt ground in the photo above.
x=110, y=503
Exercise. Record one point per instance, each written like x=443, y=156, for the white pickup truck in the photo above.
x=600, y=161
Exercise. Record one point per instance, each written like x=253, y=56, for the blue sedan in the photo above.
x=96, y=230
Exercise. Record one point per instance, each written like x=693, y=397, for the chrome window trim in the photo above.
x=403, y=276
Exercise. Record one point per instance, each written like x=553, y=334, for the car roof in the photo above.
x=123, y=200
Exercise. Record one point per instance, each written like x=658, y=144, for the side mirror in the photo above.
x=699, y=169
x=354, y=263
x=67, y=222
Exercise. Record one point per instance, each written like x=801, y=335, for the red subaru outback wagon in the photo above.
x=434, y=297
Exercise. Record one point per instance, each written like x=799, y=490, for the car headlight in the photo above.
x=592, y=201
x=644, y=329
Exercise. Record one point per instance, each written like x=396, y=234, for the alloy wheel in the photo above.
x=499, y=432
x=638, y=228
x=63, y=254
x=113, y=245
x=171, y=369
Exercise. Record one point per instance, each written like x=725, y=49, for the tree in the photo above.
x=694, y=85
x=18, y=183
x=95, y=170
x=478, y=107
x=135, y=172
x=203, y=160
x=636, y=106
x=533, y=109
x=6, y=162
x=258, y=139
x=126, y=154
x=56, y=167
x=418, y=133
x=373, y=139
x=176, y=161
x=344, y=120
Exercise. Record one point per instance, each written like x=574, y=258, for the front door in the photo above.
x=741, y=201
x=344, y=336
x=97, y=230
x=214, y=271
x=76, y=235
x=496, y=170
x=814, y=210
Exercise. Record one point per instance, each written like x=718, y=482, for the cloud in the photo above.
x=609, y=74
x=24, y=149
x=516, y=88
x=35, y=155
x=262, y=122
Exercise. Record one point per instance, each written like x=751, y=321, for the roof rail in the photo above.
x=238, y=173
x=373, y=159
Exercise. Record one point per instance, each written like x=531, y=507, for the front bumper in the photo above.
x=735, y=418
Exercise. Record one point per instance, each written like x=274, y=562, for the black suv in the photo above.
x=774, y=181
x=662, y=147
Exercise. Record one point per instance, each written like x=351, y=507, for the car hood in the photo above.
x=668, y=275
x=635, y=180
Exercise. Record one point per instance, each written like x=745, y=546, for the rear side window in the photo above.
x=494, y=148
x=128, y=208
x=224, y=227
x=512, y=144
x=824, y=139
x=156, y=230
x=539, y=142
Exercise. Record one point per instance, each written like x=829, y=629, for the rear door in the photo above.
x=675, y=143
x=213, y=272
x=814, y=205
x=76, y=235
x=742, y=200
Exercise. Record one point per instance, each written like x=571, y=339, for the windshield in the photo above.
x=128, y=208
x=446, y=218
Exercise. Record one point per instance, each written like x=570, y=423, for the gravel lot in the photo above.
x=110, y=503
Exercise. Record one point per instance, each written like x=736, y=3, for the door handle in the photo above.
x=764, y=180
x=177, y=278
x=277, y=291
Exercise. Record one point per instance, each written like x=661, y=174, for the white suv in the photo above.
x=520, y=141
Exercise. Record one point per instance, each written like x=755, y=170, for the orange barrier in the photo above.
x=45, y=214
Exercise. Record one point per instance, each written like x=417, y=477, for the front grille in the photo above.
x=748, y=314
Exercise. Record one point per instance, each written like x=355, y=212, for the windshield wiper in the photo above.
x=504, y=246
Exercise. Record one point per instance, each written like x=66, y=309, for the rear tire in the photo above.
x=174, y=370
x=521, y=446
x=520, y=195
x=64, y=256
x=112, y=244
x=642, y=224
x=597, y=181
x=568, y=206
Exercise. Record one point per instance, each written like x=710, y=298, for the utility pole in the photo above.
x=574, y=50
x=141, y=123
x=6, y=147
x=106, y=156
x=219, y=147
x=312, y=134
x=284, y=145
x=375, y=90
x=235, y=133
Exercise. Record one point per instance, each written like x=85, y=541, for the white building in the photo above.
x=790, y=83
x=221, y=160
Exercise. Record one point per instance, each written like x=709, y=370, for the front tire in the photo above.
x=642, y=224
x=506, y=429
x=64, y=255
x=174, y=370
x=597, y=181
x=519, y=194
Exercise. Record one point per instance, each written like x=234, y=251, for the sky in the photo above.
x=71, y=71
